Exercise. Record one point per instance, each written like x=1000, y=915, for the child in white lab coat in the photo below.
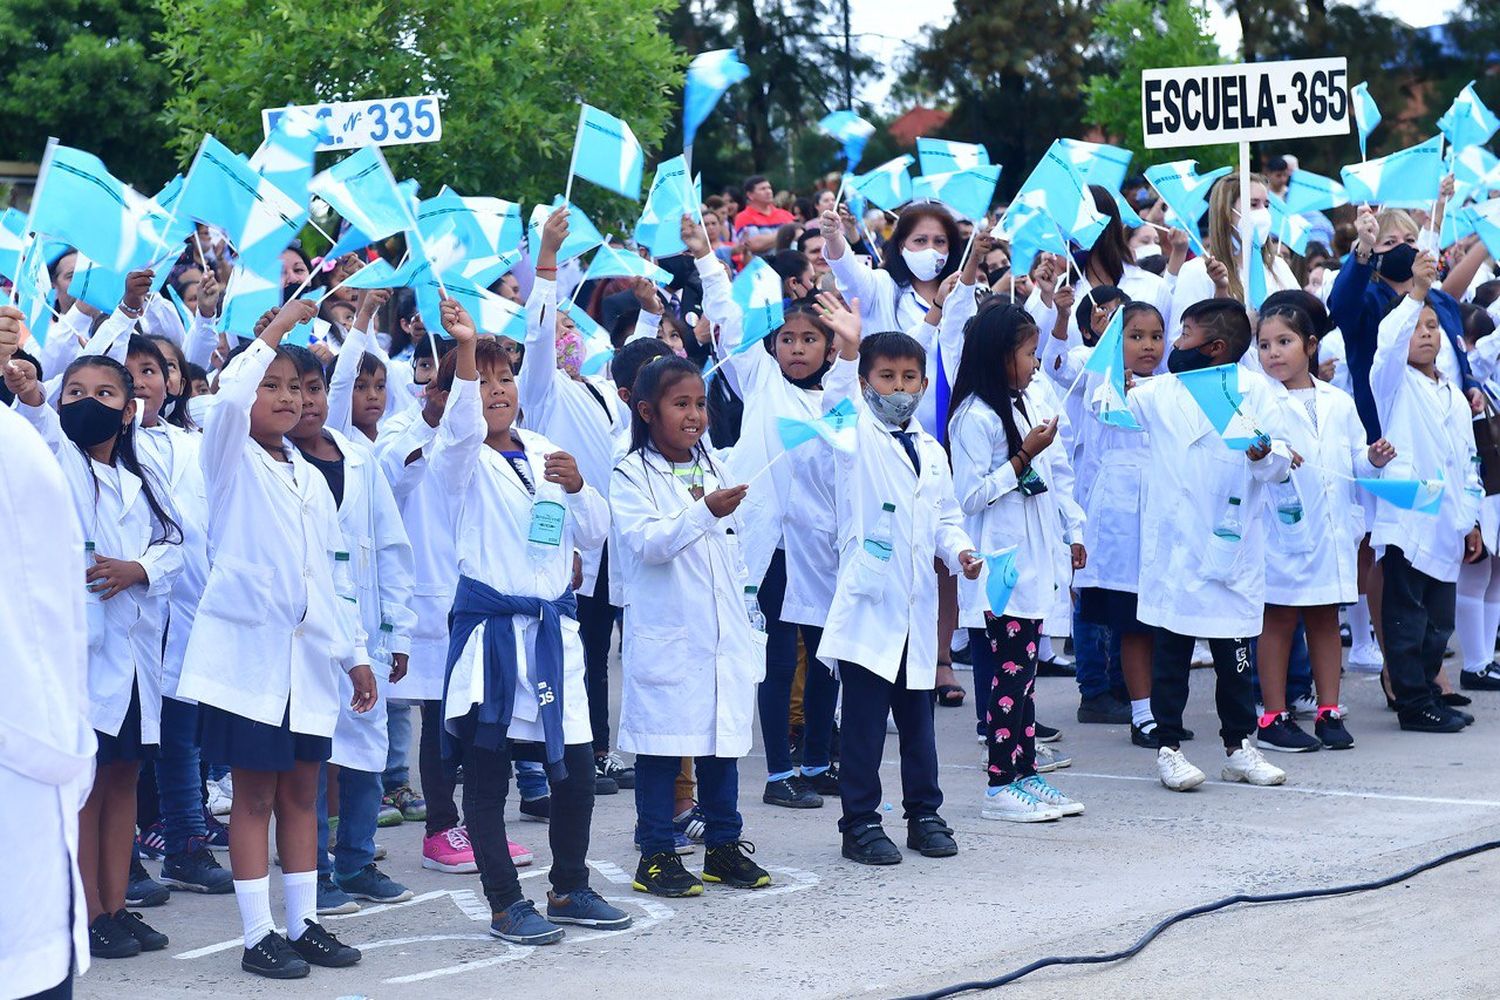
x=1005, y=476
x=1201, y=549
x=515, y=677
x=272, y=534
x=690, y=658
x=377, y=573
x=1314, y=523
x=133, y=548
x=896, y=512
x=1426, y=417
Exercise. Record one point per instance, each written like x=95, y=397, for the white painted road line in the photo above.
x=1330, y=792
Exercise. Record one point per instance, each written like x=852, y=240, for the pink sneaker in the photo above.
x=449, y=851
x=519, y=856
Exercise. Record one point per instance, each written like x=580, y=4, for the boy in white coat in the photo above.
x=896, y=510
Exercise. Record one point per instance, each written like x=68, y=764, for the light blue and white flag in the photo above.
x=96, y=285
x=286, y=157
x=1291, y=229
x=968, y=192
x=247, y=296
x=1000, y=577
x=838, y=427
x=1108, y=359
x=594, y=337
x=607, y=153
x=377, y=274
x=1310, y=192
x=1424, y=496
x=582, y=236
x=1098, y=162
x=943, y=156
x=672, y=196
x=79, y=202
x=485, y=227
x=1407, y=178
x=1186, y=193
x=34, y=292
x=361, y=188
x=708, y=76
x=1057, y=187
x=612, y=263
x=1030, y=231
x=258, y=218
x=888, y=186
x=757, y=291
x=1366, y=115
x=492, y=314
x=852, y=131
x=1476, y=172
x=1217, y=392
x=1485, y=219
x=1458, y=224
x=1468, y=122
x=485, y=271
x=13, y=243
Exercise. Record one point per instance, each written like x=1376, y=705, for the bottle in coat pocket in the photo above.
x=343, y=578
x=873, y=557
x=1224, y=546
x=548, y=510
x=92, y=604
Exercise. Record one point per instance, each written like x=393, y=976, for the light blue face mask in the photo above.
x=895, y=408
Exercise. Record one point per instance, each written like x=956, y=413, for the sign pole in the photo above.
x=1245, y=227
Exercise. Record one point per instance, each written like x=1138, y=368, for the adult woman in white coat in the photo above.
x=46, y=743
x=690, y=658
x=133, y=545
x=515, y=681
x=272, y=534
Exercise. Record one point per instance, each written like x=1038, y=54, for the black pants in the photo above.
x=1010, y=716
x=437, y=777
x=64, y=989
x=1418, y=617
x=486, y=784
x=867, y=700
x=820, y=690
x=596, y=625
x=1172, y=661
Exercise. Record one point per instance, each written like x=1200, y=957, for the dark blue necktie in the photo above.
x=907, y=439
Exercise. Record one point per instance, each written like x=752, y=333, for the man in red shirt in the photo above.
x=757, y=223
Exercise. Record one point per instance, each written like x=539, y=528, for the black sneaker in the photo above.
x=791, y=793
x=319, y=947
x=197, y=871
x=1105, y=710
x=605, y=786
x=1331, y=732
x=825, y=782
x=868, y=845
x=1051, y=668
x=1487, y=679
x=612, y=765
x=961, y=656
x=1455, y=700
x=1145, y=736
x=274, y=958
x=539, y=809
x=931, y=837
x=663, y=875
x=1285, y=735
x=729, y=864
x=143, y=890
x=1467, y=717
x=1431, y=718
x=108, y=938
x=1046, y=734
x=150, y=938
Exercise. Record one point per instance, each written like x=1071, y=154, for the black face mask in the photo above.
x=88, y=422
x=1395, y=264
x=812, y=381
x=1189, y=359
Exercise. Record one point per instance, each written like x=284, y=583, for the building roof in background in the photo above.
x=917, y=122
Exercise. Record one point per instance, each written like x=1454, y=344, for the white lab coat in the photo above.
x=425, y=510
x=1194, y=285
x=46, y=742
x=690, y=659
x=112, y=512
x=1201, y=585
x=997, y=515
x=1431, y=427
x=398, y=395
x=381, y=558
x=582, y=419
x=1112, y=477
x=172, y=453
x=271, y=636
x=884, y=306
x=1315, y=561
x=1138, y=284
x=492, y=514
x=874, y=631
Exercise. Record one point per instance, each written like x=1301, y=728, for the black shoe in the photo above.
x=150, y=938
x=108, y=938
x=1145, y=737
x=791, y=793
x=1104, y=709
x=824, y=783
x=319, y=947
x=274, y=958
x=142, y=889
x=729, y=864
x=663, y=875
x=961, y=656
x=1455, y=700
x=538, y=808
x=1046, y=734
x=1051, y=668
x=1431, y=718
x=605, y=786
x=1285, y=735
x=868, y=845
x=1487, y=679
x=611, y=766
x=930, y=837
x=1468, y=719
x=1330, y=730
x=1346, y=636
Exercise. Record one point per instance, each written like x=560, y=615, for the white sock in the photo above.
x=254, y=899
x=1359, y=623
x=1044, y=649
x=301, y=890
x=1140, y=712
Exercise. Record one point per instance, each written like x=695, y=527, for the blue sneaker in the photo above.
x=587, y=908
x=143, y=890
x=332, y=899
x=373, y=884
x=151, y=843
x=691, y=824
x=216, y=834
x=196, y=871
x=521, y=924
x=680, y=842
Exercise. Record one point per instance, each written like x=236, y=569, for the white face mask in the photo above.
x=1144, y=250
x=924, y=264
x=1260, y=223
x=197, y=408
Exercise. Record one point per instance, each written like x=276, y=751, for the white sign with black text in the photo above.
x=392, y=121
x=1250, y=102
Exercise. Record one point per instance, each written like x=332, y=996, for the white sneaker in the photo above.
x=1016, y=805
x=1249, y=765
x=1365, y=658
x=220, y=798
x=1176, y=771
x=1049, y=760
x=1307, y=706
x=1048, y=795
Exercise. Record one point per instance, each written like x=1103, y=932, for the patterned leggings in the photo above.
x=1011, y=716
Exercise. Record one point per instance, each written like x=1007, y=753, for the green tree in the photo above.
x=83, y=70
x=1137, y=35
x=510, y=74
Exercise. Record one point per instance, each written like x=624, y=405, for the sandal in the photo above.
x=945, y=694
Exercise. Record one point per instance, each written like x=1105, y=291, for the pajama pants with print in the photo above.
x=1010, y=730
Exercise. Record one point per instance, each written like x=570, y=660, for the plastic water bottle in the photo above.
x=548, y=511
x=343, y=578
x=381, y=652
x=752, y=608
x=1231, y=524
x=1288, y=502
x=93, y=604
x=879, y=542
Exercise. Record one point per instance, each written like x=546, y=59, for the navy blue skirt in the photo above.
x=126, y=745
x=1113, y=609
x=235, y=741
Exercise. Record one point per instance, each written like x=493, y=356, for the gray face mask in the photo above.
x=896, y=408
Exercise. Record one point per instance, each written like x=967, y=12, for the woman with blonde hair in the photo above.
x=1196, y=281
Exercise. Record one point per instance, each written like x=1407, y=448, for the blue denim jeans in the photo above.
x=656, y=794
x=398, y=757
x=531, y=780
x=179, y=787
x=359, y=806
x=1096, y=655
